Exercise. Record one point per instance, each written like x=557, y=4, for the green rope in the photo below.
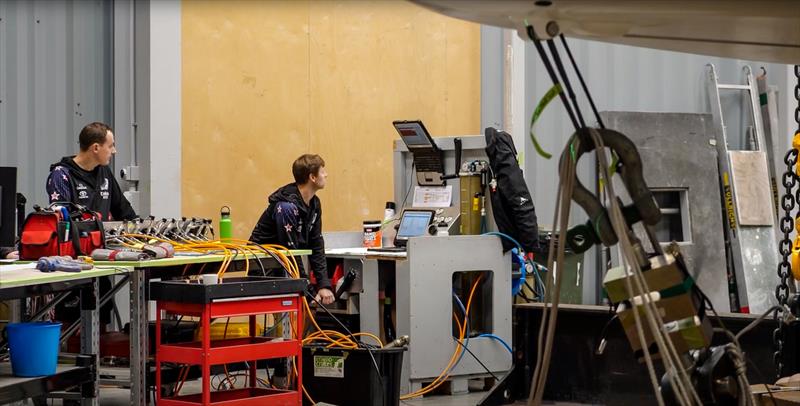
x=545, y=100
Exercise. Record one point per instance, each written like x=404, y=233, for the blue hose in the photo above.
x=494, y=337
x=506, y=236
x=466, y=334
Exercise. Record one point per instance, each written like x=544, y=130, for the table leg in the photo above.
x=369, y=300
x=254, y=363
x=90, y=338
x=138, y=337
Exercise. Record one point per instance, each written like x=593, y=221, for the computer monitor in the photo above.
x=8, y=206
x=413, y=223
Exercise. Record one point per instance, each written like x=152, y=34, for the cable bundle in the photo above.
x=633, y=260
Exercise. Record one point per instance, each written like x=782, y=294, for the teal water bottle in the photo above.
x=225, y=225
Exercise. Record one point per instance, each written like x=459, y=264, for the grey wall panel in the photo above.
x=620, y=78
x=491, y=77
x=55, y=77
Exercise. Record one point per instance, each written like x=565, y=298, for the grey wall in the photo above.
x=491, y=77
x=64, y=64
x=55, y=77
x=621, y=78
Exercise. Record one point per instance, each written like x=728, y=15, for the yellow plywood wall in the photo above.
x=266, y=81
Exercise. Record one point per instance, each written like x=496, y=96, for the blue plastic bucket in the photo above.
x=33, y=347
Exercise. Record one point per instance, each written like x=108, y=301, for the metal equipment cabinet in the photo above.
x=239, y=297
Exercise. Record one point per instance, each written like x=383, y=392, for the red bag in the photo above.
x=49, y=232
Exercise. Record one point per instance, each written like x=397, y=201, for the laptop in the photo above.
x=413, y=223
x=427, y=155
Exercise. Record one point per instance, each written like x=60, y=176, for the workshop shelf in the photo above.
x=238, y=397
x=236, y=297
x=229, y=350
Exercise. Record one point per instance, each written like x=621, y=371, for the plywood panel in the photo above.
x=264, y=82
x=751, y=185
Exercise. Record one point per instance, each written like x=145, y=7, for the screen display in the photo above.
x=414, y=223
x=413, y=134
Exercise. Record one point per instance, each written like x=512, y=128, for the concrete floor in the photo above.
x=122, y=397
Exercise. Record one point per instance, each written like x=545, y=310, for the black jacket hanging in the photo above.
x=512, y=204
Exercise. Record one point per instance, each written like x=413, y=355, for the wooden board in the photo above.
x=751, y=186
x=264, y=82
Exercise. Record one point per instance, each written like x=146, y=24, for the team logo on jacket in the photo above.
x=83, y=195
x=104, y=189
x=81, y=186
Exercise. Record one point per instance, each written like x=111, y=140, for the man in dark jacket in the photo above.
x=87, y=180
x=293, y=219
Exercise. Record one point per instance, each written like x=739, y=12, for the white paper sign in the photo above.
x=433, y=196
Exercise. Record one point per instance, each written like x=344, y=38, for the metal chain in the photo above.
x=786, y=224
x=797, y=97
x=788, y=202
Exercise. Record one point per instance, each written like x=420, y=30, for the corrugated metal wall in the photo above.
x=55, y=77
x=621, y=78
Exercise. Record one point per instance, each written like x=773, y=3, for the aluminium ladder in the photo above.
x=750, y=216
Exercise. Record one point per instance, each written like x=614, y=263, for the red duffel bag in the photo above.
x=62, y=229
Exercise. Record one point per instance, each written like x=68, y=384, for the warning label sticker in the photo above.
x=329, y=366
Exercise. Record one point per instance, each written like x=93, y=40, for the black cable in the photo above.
x=564, y=78
x=261, y=265
x=536, y=295
x=274, y=325
x=273, y=256
x=479, y=361
x=763, y=378
x=733, y=337
x=552, y=74
x=599, y=347
x=527, y=299
x=583, y=83
x=369, y=350
x=410, y=184
x=177, y=323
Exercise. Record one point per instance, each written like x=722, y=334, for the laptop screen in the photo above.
x=414, y=223
x=414, y=134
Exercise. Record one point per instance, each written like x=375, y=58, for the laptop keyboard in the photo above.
x=428, y=162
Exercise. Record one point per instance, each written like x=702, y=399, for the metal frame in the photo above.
x=84, y=375
x=137, y=283
x=425, y=314
x=232, y=350
x=753, y=249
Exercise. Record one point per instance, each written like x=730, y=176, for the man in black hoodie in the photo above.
x=87, y=180
x=293, y=219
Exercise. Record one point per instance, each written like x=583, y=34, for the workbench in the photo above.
x=167, y=268
x=21, y=280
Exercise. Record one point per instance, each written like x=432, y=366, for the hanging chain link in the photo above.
x=788, y=202
x=797, y=97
